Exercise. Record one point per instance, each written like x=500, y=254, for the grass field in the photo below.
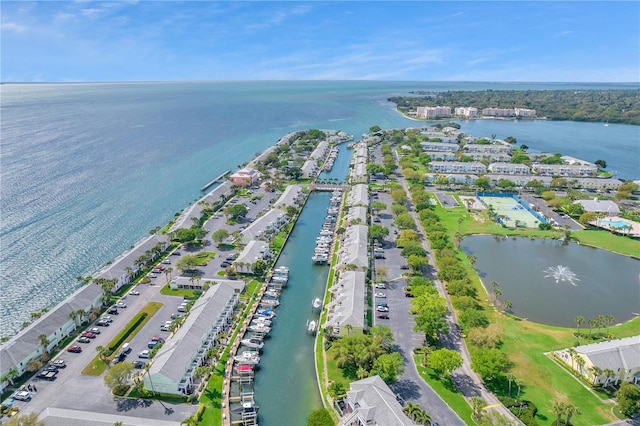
x=526, y=343
x=513, y=214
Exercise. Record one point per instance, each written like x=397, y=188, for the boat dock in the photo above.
x=211, y=182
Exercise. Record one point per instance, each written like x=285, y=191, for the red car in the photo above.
x=89, y=334
x=74, y=348
x=157, y=339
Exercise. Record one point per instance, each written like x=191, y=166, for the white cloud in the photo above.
x=563, y=33
x=13, y=27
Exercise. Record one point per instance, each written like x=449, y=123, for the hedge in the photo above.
x=200, y=412
x=120, y=338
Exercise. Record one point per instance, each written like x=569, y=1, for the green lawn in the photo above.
x=182, y=292
x=96, y=367
x=447, y=392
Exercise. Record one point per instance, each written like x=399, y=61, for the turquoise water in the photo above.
x=614, y=223
x=89, y=169
x=286, y=389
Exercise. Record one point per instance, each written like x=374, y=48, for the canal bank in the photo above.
x=285, y=387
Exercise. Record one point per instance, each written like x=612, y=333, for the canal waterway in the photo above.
x=286, y=389
x=552, y=283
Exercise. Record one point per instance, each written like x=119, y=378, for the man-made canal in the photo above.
x=286, y=389
x=552, y=283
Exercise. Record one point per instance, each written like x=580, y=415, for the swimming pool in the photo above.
x=618, y=224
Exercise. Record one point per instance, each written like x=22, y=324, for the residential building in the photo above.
x=520, y=180
x=498, y=112
x=347, y=305
x=494, y=148
x=269, y=223
x=291, y=196
x=245, y=176
x=194, y=211
x=449, y=137
x=320, y=152
x=434, y=112
x=456, y=167
x=309, y=169
x=254, y=250
x=524, y=112
x=498, y=158
x=354, y=247
x=599, y=184
x=441, y=155
x=607, y=207
x=618, y=360
x=56, y=324
x=439, y=146
x=126, y=266
x=565, y=170
x=370, y=402
x=174, y=366
x=359, y=195
x=356, y=213
x=509, y=168
x=466, y=112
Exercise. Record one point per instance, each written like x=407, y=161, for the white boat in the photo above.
x=272, y=293
x=317, y=303
x=259, y=328
x=265, y=313
x=248, y=357
x=252, y=343
x=319, y=258
x=270, y=302
x=312, y=326
x=246, y=409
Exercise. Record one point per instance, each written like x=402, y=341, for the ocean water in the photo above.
x=86, y=170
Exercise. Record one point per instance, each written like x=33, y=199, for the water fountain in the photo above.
x=561, y=273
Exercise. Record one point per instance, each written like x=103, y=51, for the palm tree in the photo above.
x=362, y=373
x=608, y=373
x=44, y=342
x=10, y=376
x=497, y=292
x=596, y=371
x=102, y=353
x=558, y=408
x=570, y=410
x=477, y=404
x=511, y=378
x=507, y=304
x=348, y=329
x=167, y=273
x=573, y=354
x=519, y=383
x=74, y=316
x=592, y=323
x=472, y=259
x=410, y=409
x=609, y=319
x=581, y=362
x=579, y=320
x=422, y=417
x=189, y=421
x=600, y=322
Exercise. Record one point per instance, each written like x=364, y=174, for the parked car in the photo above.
x=95, y=330
x=175, y=253
x=166, y=262
x=138, y=364
x=22, y=396
x=74, y=349
x=164, y=327
x=382, y=286
x=177, y=315
x=113, y=311
x=151, y=275
x=144, y=354
x=404, y=267
x=106, y=318
x=382, y=309
x=381, y=295
x=59, y=363
x=152, y=344
x=225, y=264
x=121, y=305
x=47, y=375
x=157, y=339
x=382, y=315
x=88, y=334
x=134, y=293
x=84, y=339
x=50, y=367
x=102, y=323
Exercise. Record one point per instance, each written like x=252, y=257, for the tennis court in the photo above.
x=511, y=212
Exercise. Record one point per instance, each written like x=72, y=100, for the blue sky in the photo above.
x=577, y=41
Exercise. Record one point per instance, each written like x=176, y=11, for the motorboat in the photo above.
x=312, y=326
x=253, y=343
x=316, y=304
x=259, y=328
x=270, y=302
x=260, y=321
x=248, y=357
x=243, y=368
x=265, y=313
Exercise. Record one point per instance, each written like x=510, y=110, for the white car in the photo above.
x=134, y=293
x=166, y=262
x=144, y=354
x=121, y=305
x=22, y=396
x=381, y=295
x=382, y=286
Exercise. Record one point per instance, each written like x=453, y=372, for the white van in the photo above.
x=126, y=348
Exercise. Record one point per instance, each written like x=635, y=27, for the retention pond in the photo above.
x=552, y=283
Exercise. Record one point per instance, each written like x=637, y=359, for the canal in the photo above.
x=285, y=386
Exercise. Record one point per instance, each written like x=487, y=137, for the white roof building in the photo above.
x=359, y=195
x=185, y=220
x=270, y=222
x=439, y=146
x=309, y=168
x=356, y=212
x=509, y=168
x=174, y=365
x=354, y=246
x=253, y=251
x=456, y=167
x=371, y=402
x=347, y=305
x=291, y=196
x=607, y=207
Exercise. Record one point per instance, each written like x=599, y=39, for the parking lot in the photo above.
x=80, y=395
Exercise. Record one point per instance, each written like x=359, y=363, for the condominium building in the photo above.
x=439, y=146
x=434, y=112
x=456, y=167
x=466, y=111
x=564, y=170
x=509, y=168
x=524, y=112
x=498, y=112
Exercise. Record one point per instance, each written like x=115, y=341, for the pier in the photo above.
x=211, y=182
x=328, y=187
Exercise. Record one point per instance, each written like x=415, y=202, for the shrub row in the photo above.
x=120, y=338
